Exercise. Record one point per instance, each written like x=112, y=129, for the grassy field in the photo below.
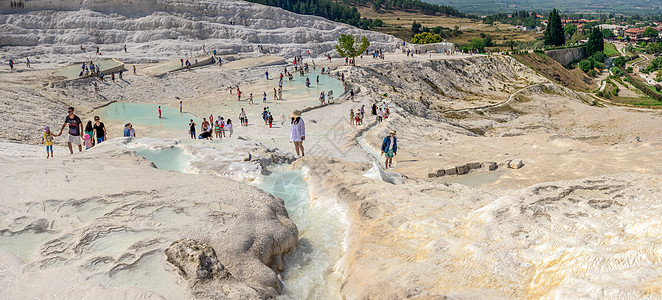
x=398, y=23
x=610, y=50
x=641, y=100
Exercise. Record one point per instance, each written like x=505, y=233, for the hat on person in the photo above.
x=295, y=113
x=47, y=129
x=392, y=131
x=86, y=136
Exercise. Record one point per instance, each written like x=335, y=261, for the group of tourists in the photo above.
x=356, y=118
x=210, y=129
x=11, y=63
x=381, y=111
x=90, y=135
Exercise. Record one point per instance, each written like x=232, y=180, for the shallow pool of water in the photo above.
x=309, y=272
x=296, y=87
x=148, y=273
x=475, y=179
x=145, y=117
x=172, y=158
x=72, y=71
x=24, y=244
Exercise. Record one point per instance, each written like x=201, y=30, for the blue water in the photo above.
x=167, y=159
x=147, y=115
x=297, y=86
x=309, y=272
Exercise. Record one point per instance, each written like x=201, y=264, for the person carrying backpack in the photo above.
x=390, y=149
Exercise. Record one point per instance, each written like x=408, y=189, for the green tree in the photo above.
x=586, y=65
x=654, y=48
x=650, y=32
x=377, y=23
x=619, y=61
x=596, y=43
x=416, y=28
x=477, y=44
x=351, y=46
x=554, y=35
x=426, y=38
x=569, y=30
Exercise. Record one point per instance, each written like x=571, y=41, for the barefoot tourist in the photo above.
x=297, y=131
x=75, y=130
x=47, y=139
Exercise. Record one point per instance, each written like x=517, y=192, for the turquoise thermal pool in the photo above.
x=167, y=158
x=309, y=272
x=146, y=117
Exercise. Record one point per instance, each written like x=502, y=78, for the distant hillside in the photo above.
x=630, y=7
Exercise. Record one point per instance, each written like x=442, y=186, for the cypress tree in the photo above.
x=596, y=42
x=554, y=34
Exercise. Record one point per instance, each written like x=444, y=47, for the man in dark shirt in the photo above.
x=75, y=128
x=99, y=130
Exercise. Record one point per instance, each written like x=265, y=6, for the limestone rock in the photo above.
x=451, y=171
x=195, y=261
x=474, y=165
x=463, y=169
x=515, y=163
x=490, y=165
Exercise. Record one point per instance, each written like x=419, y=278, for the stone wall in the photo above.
x=566, y=56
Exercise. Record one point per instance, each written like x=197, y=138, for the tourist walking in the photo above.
x=75, y=130
x=380, y=116
x=351, y=116
x=265, y=114
x=297, y=131
x=242, y=118
x=47, y=139
x=221, y=123
x=99, y=130
x=89, y=129
x=159, y=111
x=229, y=125
x=390, y=149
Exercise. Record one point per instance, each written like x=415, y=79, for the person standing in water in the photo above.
x=180, y=106
x=297, y=131
x=75, y=130
x=390, y=149
x=159, y=111
x=191, y=130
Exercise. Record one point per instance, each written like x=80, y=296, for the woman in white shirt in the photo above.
x=297, y=131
